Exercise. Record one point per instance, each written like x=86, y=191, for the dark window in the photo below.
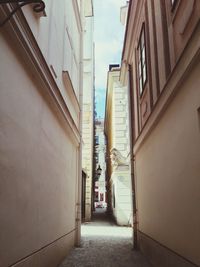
x=173, y=3
x=142, y=61
x=96, y=157
x=96, y=140
x=101, y=196
x=96, y=197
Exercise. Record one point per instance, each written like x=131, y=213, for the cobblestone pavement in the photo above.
x=104, y=245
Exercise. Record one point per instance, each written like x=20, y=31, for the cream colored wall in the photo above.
x=39, y=154
x=168, y=174
x=108, y=122
x=120, y=119
x=38, y=165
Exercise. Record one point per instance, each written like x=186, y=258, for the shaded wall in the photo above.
x=39, y=152
x=168, y=172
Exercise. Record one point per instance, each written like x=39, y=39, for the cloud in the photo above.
x=108, y=37
x=106, y=53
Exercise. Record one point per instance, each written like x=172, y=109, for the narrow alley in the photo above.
x=105, y=244
x=99, y=110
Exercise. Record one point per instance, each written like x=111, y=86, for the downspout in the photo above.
x=132, y=138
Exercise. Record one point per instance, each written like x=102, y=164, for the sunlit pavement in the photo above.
x=105, y=244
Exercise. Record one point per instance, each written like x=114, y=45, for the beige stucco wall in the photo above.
x=38, y=168
x=168, y=174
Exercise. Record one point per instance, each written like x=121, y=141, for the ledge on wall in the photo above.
x=70, y=89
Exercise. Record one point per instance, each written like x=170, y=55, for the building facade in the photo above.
x=88, y=109
x=40, y=139
x=118, y=147
x=100, y=165
x=160, y=64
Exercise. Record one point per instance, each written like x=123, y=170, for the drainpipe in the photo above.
x=132, y=138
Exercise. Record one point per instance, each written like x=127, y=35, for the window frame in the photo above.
x=142, y=61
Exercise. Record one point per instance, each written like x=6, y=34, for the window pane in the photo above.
x=140, y=84
x=144, y=74
x=173, y=3
x=142, y=38
x=143, y=56
x=140, y=68
x=139, y=54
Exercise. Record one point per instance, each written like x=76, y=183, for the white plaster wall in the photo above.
x=120, y=119
x=88, y=39
x=168, y=174
x=88, y=109
x=120, y=132
x=122, y=209
x=59, y=37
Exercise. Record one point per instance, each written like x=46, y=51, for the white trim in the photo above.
x=77, y=16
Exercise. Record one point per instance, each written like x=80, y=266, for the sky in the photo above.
x=108, y=38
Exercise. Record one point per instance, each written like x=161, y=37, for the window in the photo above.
x=96, y=140
x=101, y=196
x=142, y=62
x=97, y=158
x=96, y=197
x=173, y=3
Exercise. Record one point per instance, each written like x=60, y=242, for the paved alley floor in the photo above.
x=104, y=244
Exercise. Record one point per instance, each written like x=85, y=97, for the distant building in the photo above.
x=123, y=13
x=100, y=165
x=88, y=111
x=161, y=67
x=118, y=147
